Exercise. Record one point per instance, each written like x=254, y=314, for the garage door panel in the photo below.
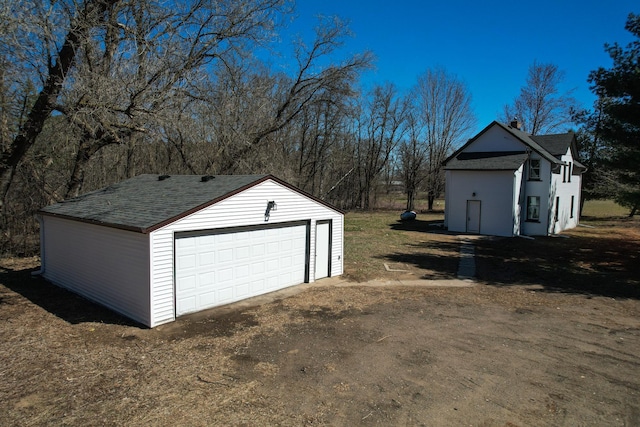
x=206, y=258
x=216, y=269
x=257, y=286
x=206, y=280
x=223, y=238
x=242, y=290
x=257, y=268
x=243, y=252
x=189, y=282
x=185, y=243
x=225, y=255
x=207, y=298
x=242, y=271
x=226, y=295
x=225, y=275
x=186, y=305
x=258, y=250
x=187, y=261
x=273, y=265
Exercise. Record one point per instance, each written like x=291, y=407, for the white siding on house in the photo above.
x=494, y=189
x=565, y=186
x=107, y=265
x=246, y=208
x=519, y=199
x=538, y=188
x=495, y=139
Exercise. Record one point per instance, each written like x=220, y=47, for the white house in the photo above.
x=504, y=182
x=156, y=247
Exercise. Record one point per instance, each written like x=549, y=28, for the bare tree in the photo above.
x=444, y=104
x=381, y=128
x=40, y=58
x=318, y=133
x=311, y=81
x=413, y=158
x=110, y=66
x=541, y=107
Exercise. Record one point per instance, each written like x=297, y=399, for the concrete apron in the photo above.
x=466, y=274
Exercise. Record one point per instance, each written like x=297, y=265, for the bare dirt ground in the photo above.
x=330, y=354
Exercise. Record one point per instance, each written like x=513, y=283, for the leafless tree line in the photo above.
x=96, y=91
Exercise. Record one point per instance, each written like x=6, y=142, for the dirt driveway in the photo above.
x=329, y=355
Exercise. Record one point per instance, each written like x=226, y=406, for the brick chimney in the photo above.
x=515, y=123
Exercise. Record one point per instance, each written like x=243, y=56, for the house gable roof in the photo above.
x=556, y=144
x=505, y=160
x=147, y=202
x=488, y=160
x=559, y=144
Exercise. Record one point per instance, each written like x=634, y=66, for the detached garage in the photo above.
x=155, y=247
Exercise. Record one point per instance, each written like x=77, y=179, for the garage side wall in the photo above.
x=246, y=208
x=106, y=265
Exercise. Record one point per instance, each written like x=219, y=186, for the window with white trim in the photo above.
x=573, y=199
x=534, y=169
x=533, y=208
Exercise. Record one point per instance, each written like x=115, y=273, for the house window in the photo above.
x=570, y=168
x=573, y=198
x=564, y=174
x=534, y=169
x=533, y=208
x=557, y=214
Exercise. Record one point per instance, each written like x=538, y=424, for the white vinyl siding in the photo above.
x=494, y=189
x=106, y=265
x=495, y=139
x=243, y=209
x=539, y=188
x=565, y=190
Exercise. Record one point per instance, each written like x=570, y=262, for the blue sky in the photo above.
x=487, y=44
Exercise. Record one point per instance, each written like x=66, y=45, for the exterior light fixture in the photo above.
x=271, y=205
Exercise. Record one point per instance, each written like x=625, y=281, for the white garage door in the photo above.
x=216, y=269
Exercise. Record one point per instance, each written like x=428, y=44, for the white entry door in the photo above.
x=323, y=249
x=473, y=216
x=213, y=269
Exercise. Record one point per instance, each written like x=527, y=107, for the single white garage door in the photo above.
x=218, y=268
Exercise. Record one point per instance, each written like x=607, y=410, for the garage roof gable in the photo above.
x=147, y=202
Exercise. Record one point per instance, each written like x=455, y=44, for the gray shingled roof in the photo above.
x=492, y=160
x=557, y=144
x=146, y=202
x=547, y=146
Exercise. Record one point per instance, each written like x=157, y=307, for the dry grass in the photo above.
x=600, y=257
x=378, y=237
x=603, y=260
x=603, y=209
